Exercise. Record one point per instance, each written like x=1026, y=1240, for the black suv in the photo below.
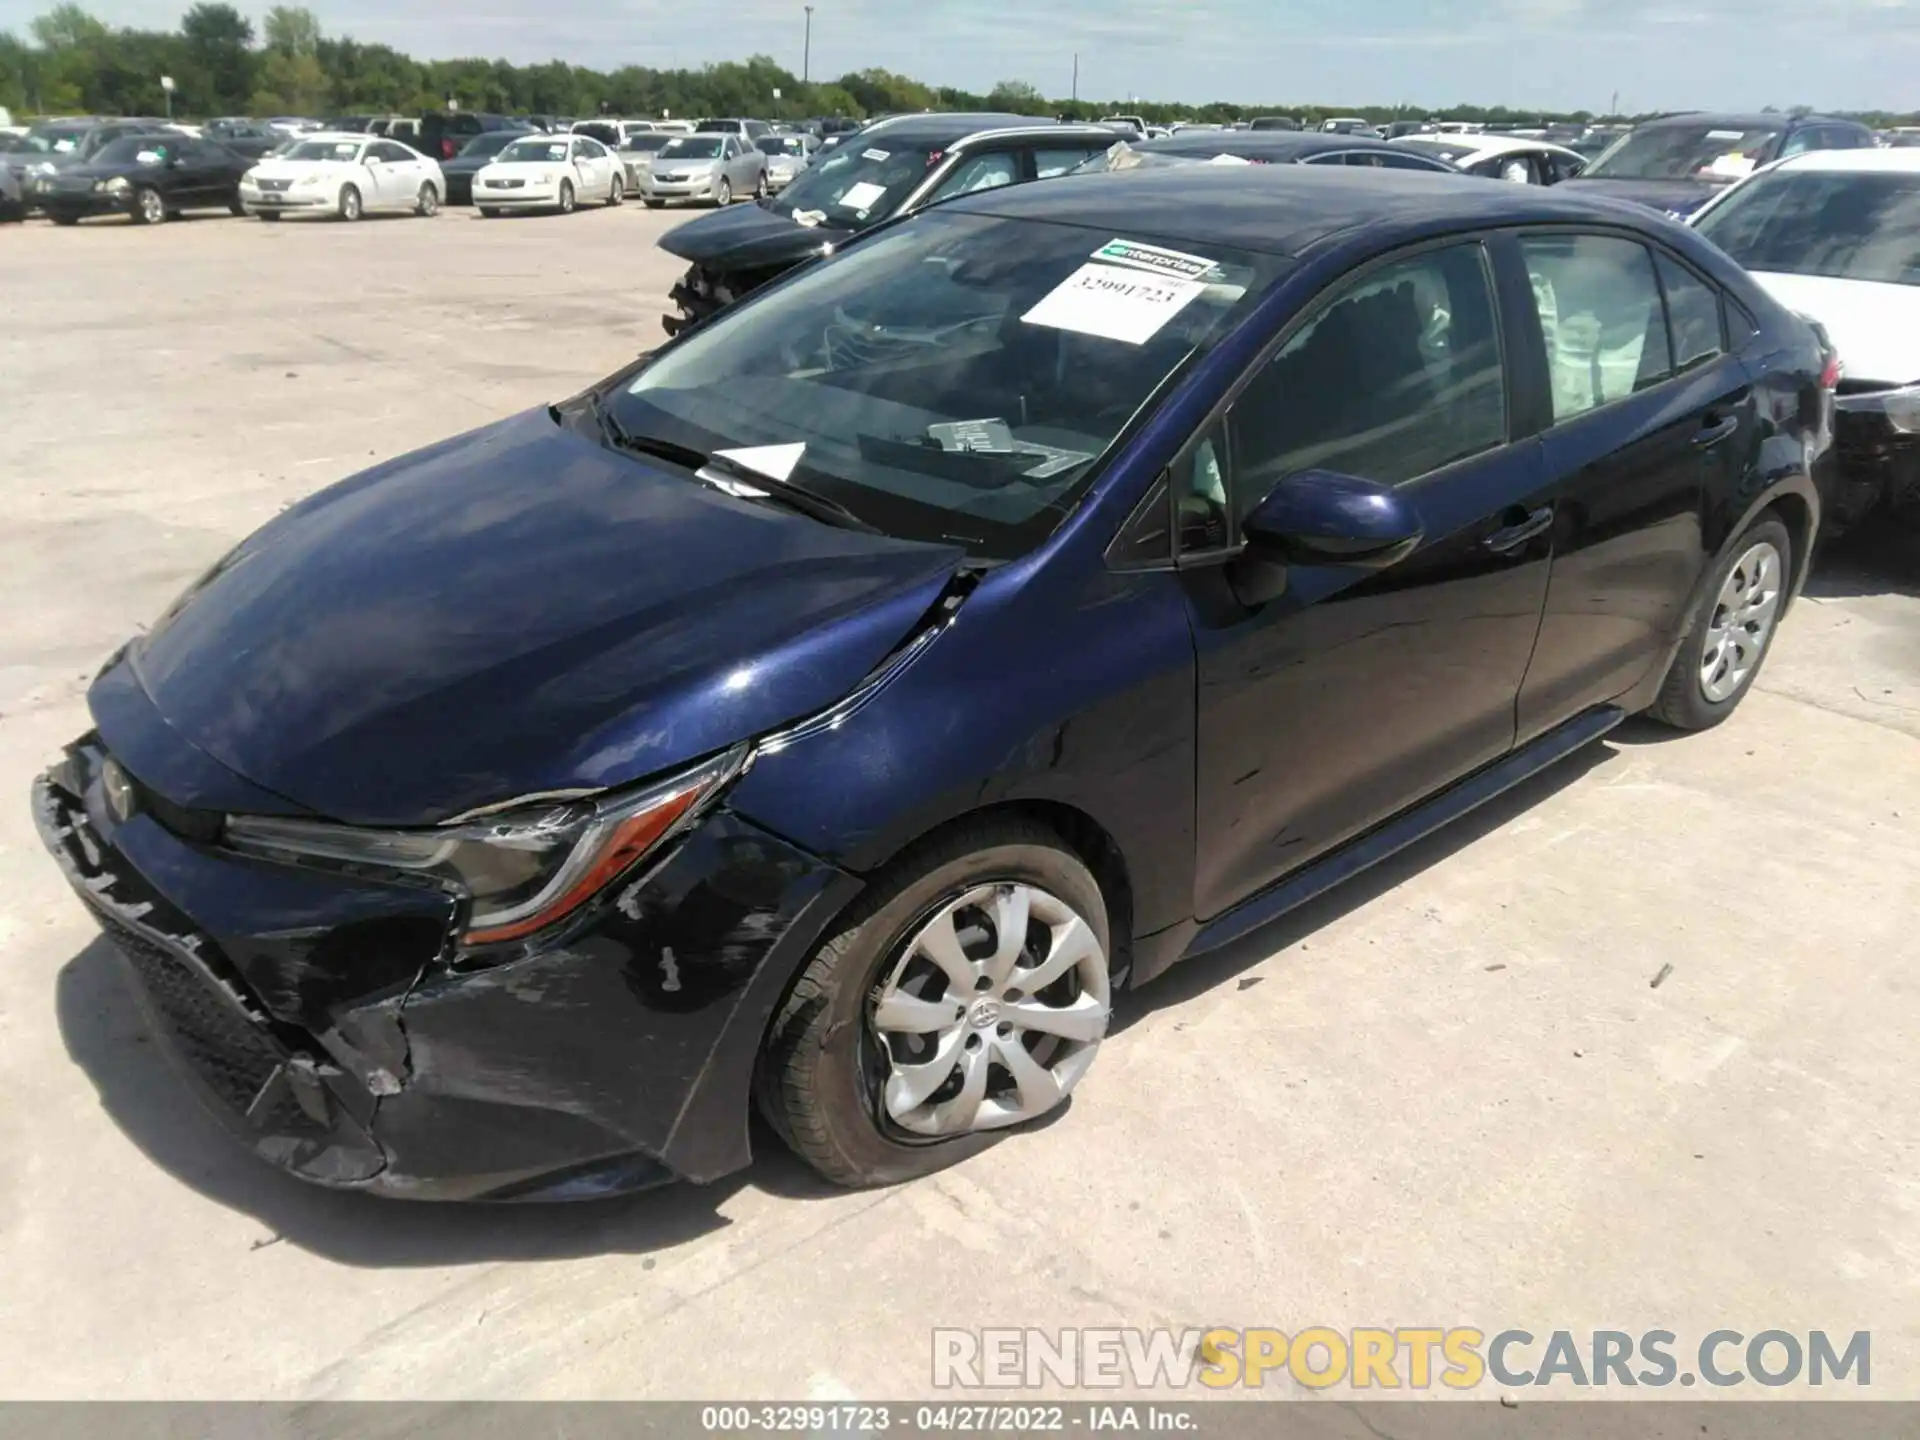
x=1678, y=163
x=443, y=136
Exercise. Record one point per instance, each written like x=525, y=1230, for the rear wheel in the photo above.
x=1722, y=654
x=760, y=187
x=566, y=197
x=428, y=202
x=617, y=193
x=350, y=205
x=148, y=207
x=967, y=993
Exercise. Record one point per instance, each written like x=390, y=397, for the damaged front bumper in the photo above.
x=329, y=1021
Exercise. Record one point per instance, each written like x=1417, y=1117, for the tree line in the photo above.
x=71, y=62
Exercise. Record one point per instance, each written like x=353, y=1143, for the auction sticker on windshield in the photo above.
x=1114, y=302
x=862, y=196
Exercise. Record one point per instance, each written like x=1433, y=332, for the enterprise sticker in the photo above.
x=1151, y=257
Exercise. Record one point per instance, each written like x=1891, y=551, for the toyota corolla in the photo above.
x=838, y=710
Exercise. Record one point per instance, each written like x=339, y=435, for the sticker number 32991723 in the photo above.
x=1131, y=306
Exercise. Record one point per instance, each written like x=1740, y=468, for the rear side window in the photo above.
x=1409, y=162
x=1600, y=318
x=1693, y=316
x=1048, y=163
x=1397, y=375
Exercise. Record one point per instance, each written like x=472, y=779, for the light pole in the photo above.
x=166, y=85
x=806, y=55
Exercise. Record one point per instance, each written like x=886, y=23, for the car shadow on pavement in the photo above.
x=1205, y=972
x=1872, y=561
x=152, y=1104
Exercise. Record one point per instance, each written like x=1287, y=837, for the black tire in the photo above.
x=723, y=195
x=271, y=216
x=617, y=193
x=814, y=1086
x=487, y=212
x=234, y=207
x=656, y=204
x=566, y=197
x=59, y=219
x=351, y=206
x=427, y=203
x=1682, y=702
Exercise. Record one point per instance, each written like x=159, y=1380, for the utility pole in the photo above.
x=1076, y=76
x=1616, y=104
x=806, y=56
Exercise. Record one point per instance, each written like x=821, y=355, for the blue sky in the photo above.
x=1559, y=54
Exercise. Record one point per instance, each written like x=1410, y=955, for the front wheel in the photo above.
x=234, y=207
x=270, y=215
x=966, y=993
x=566, y=197
x=60, y=219
x=487, y=212
x=350, y=204
x=723, y=196
x=428, y=202
x=148, y=207
x=656, y=204
x=1722, y=654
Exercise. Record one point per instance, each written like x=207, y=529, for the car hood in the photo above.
x=294, y=169
x=1666, y=196
x=1875, y=327
x=519, y=610
x=465, y=164
x=747, y=236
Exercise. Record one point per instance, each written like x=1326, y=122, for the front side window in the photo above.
x=1600, y=318
x=1395, y=377
x=1844, y=224
x=957, y=379
x=1693, y=316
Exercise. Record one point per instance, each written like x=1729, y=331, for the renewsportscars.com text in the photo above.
x=1401, y=1358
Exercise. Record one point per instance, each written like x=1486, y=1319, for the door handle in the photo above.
x=1512, y=537
x=1712, y=432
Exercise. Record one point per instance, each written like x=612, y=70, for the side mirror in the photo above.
x=1321, y=517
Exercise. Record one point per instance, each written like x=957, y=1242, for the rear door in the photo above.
x=1334, y=696
x=1645, y=413
x=400, y=172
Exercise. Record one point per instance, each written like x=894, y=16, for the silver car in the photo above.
x=787, y=156
x=715, y=169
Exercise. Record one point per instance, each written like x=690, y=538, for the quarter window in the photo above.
x=1600, y=317
x=1693, y=316
x=1397, y=376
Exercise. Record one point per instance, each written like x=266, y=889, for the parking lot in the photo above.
x=1449, y=1094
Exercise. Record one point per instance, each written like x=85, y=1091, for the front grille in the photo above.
x=232, y=1054
x=275, y=187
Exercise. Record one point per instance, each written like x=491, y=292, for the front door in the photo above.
x=1351, y=694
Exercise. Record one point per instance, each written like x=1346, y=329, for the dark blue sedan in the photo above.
x=838, y=710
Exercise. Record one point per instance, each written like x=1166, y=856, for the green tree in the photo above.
x=293, y=30
x=219, y=46
x=68, y=27
x=1017, y=97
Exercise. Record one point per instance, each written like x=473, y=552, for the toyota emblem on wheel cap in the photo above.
x=118, y=788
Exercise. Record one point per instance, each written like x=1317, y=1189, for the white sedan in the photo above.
x=342, y=175
x=550, y=172
x=1500, y=157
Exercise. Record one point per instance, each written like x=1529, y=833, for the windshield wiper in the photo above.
x=779, y=492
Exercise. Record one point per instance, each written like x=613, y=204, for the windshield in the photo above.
x=133, y=150
x=857, y=185
x=53, y=139
x=1848, y=225
x=1685, y=152
x=644, y=142
x=691, y=147
x=348, y=150
x=538, y=149
x=604, y=133
x=956, y=379
x=782, y=145
x=492, y=142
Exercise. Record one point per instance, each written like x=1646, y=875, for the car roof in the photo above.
x=1482, y=145
x=1727, y=119
x=1258, y=144
x=1286, y=209
x=944, y=129
x=1897, y=161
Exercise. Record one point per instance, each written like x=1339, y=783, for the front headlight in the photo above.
x=519, y=870
x=115, y=185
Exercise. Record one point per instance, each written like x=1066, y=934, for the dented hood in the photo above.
x=746, y=237
x=519, y=610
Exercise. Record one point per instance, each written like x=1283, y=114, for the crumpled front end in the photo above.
x=703, y=292
x=331, y=1021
